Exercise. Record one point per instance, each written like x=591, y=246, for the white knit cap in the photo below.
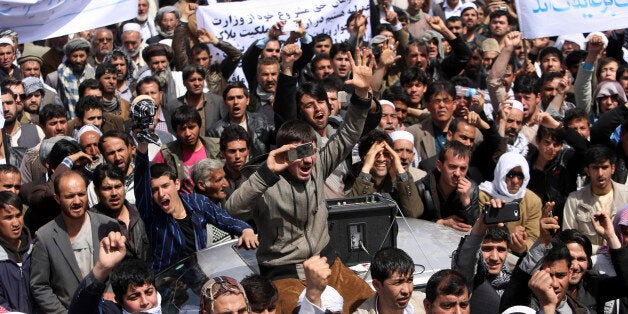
x=131, y=27
x=86, y=128
x=386, y=102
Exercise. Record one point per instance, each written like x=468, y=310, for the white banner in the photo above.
x=543, y=18
x=242, y=23
x=53, y=18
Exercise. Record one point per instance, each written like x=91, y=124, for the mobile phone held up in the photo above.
x=301, y=151
x=508, y=212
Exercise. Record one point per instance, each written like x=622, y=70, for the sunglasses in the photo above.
x=513, y=174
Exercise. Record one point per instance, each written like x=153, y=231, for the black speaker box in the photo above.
x=360, y=226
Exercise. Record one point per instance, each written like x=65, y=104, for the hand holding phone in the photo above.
x=301, y=151
x=508, y=212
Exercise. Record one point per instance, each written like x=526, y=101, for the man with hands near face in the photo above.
x=383, y=172
x=287, y=196
x=448, y=197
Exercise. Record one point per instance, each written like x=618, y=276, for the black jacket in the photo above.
x=435, y=207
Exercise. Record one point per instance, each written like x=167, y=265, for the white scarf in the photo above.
x=155, y=310
x=498, y=188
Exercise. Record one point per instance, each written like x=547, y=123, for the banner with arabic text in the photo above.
x=35, y=20
x=241, y=23
x=543, y=18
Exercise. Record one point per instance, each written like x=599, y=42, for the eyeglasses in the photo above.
x=445, y=101
x=513, y=174
x=19, y=97
x=105, y=39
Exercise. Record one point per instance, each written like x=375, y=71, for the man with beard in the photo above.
x=19, y=136
x=210, y=106
x=53, y=121
x=107, y=75
x=133, y=46
x=17, y=88
x=55, y=55
x=109, y=185
x=71, y=73
x=34, y=92
x=602, y=194
x=448, y=197
x=403, y=145
x=146, y=25
x=117, y=149
x=88, y=137
x=382, y=172
x=321, y=67
x=500, y=24
x=509, y=125
x=166, y=20
x=469, y=17
x=102, y=44
x=124, y=79
x=261, y=132
x=66, y=248
x=158, y=57
x=189, y=148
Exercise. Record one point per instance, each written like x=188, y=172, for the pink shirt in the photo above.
x=189, y=160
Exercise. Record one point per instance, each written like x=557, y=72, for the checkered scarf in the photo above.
x=70, y=83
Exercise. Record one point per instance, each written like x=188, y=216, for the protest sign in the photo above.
x=45, y=19
x=543, y=18
x=241, y=23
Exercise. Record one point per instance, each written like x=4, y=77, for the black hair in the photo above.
x=551, y=50
x=322, y=37
x=191, y=69
x=6, y=90
x=500, y=13
x=597, y=154
x=61, y=149
x=106, y=170
x=384, y=27
x=453, y=19
x=295, y=131
x=105, y=68
x=556, y=135
x=458, y=149
x=574, y=114
x=445, y=282
x=312, y=89
x=372, y=137
x=51, y=111
x=8, y=198
x=231, y=133
x=575, y=58
x=497, y=234
x=88, y=83
x=318, y=59
x=526, y=84
x=183, y=115
x=160, y=170
x=574, y=236
x=116, y=134
x=396, y=93
x=8, y=168
x=558, y=252
x=453, y=125
x=414, y=73
x=603, y=62
x=339, y=47
x=460, y=80
x=130, y=272
x=620, y=71
x=547, y=77
x=230, y=86
x=332, y=84
x=147, y=80
x=85, y=104
x=440, y=87
x=389, y=260
x=198, y=48
x=260, y=292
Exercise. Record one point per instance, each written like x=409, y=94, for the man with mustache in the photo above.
x=133, y=45
x=166, y=20
x=234, y=148
x=389, y=122
x=102, y=44
x=146, y=25
x=71, y=73
x=261, y=132
x=158, y=58
x=109, y=183
x=29, y=135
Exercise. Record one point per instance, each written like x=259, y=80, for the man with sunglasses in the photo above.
x=509, y=184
